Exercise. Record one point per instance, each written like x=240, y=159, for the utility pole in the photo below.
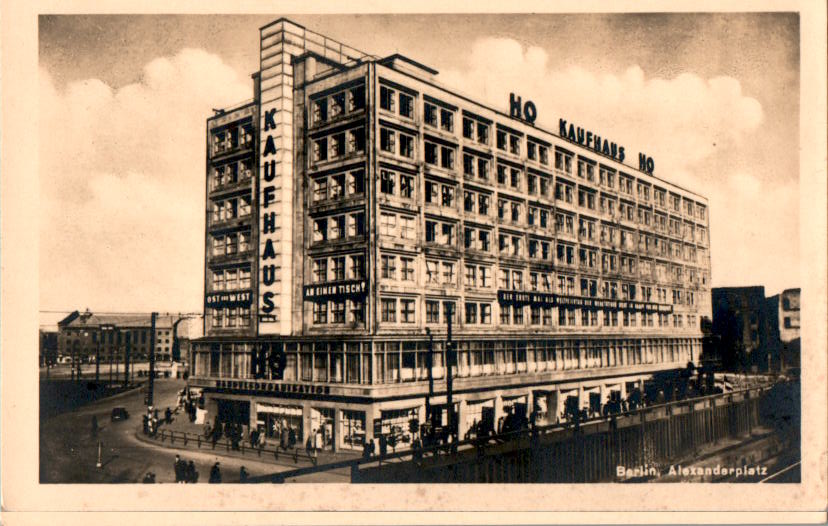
x=429, y=365
x=98, y=355
x=126, y=358
x=151, y=359
x=449, y=377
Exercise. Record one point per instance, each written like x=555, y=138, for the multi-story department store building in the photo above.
x=355, y=202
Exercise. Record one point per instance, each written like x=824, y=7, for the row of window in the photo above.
x=335, y=186
x=437, y=272
x=335, y=312
x=442, y=117
x=231, y=208
x=403, y=310
x=478, y=238
x=339, y=227
x=442, y=193
x=339, y=145
x=340, y=103
x=231, y=243
x=229, y=317
x=237, y=278
x=336, y=268
x=231, y=173
x=232, y=137
x=392, y=362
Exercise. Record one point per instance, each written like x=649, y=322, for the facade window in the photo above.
x=407, y=227
x=356, y=311
x=388, y=224
x=388, y=140
x=406, y=186
x=501, y=174
x=447, y=120
x=482, y=133
x=406, y=146
x=388, y=310
x=356, y=140
x=320, y=270
x=406, y=106
x=407, y=311
x=431, y=231
x=338, y=311
x=320, y=312
x=484, y=239
x=485, y=313
x=432, y=311
x=356, y=224
x=430, y=114
x=407, y=269
x=501, y=140
x=386, y=98
x=514, y=144
x=357, y=267
x=356, y=182
x=389, y=267
x=468, y=128
x=471, y=313
x=505, y=314
x=387, y=180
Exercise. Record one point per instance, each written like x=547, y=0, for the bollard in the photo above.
x=99, y=464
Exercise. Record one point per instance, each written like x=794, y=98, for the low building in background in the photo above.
x=83, y=336
x=753, y=333
x=783, y=329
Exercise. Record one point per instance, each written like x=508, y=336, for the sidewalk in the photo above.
x=181, y=424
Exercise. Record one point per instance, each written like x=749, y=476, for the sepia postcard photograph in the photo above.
x=482, y=264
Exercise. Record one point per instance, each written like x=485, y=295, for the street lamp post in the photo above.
x=150, y=384
x=449, y=377
x=430, y=365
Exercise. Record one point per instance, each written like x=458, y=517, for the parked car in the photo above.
x=119, y=413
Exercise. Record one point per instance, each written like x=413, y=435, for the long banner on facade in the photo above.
x=544, y=299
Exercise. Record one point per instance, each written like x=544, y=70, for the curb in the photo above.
x=220, y=452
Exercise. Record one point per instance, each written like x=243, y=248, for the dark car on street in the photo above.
x=119, y=413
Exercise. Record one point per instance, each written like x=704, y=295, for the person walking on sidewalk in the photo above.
x=215, y=474
x=310, y=447
x=243, y=474
x=192, y=474
x=178, y=467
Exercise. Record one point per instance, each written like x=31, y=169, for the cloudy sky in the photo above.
x=714, y=99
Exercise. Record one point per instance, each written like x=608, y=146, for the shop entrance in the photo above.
x=479, y=419
x=322, y=423
x=353, y=429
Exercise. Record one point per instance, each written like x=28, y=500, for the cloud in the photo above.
x=702, y=133
x=122, y=184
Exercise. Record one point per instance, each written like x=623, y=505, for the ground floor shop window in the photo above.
x=353, y=429
x=278, y=420
x=395, y=426
x=322, y=424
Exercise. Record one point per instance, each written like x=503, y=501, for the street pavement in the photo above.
x=69, y=449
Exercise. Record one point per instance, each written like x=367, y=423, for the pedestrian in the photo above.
x=383, y=445
x=284, y=439
x=243, y=474
x=191, y=473
x=94, y=424
x=291, y=437
x=145, y=421
x=215, y=474
x=178, y=467
x=310, y=447
x=366, y=450
x=168, y=416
